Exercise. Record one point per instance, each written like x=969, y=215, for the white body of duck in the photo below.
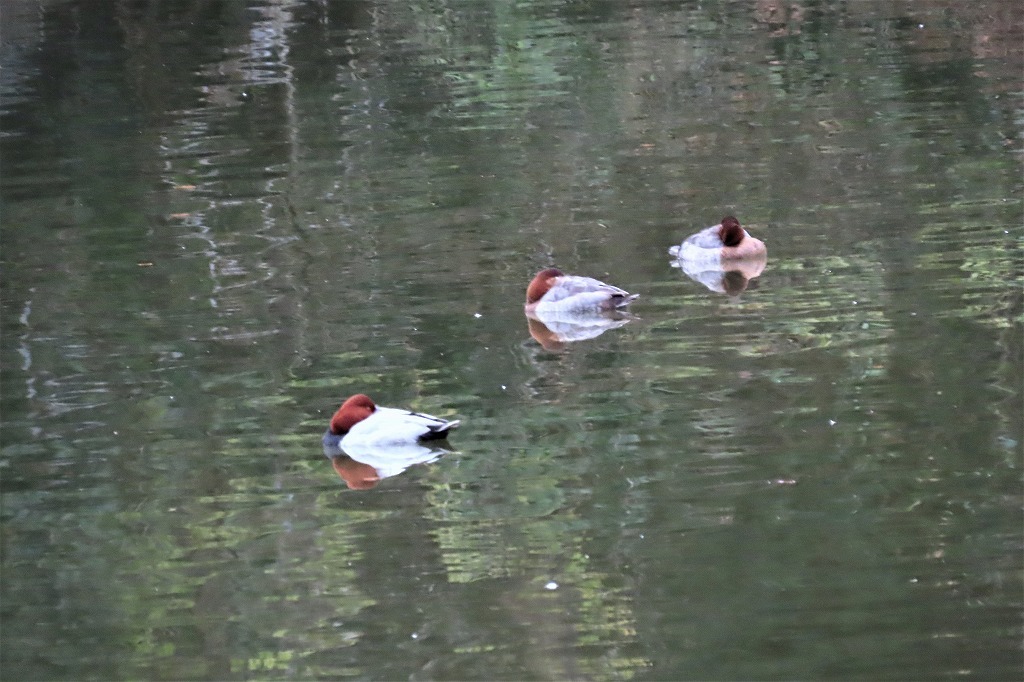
x=724, y=242
x=552, y=292
x=360, y=425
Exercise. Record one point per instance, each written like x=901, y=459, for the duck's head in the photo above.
x=541, y=284
x=352, y=411
x=730, y=232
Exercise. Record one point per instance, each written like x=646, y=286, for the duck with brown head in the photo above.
x=552, y=291
x=359, y=421
x=367, y=443
x=723, y=257
x=722, y=242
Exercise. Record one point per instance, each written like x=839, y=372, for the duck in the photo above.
x=360, y=424
x=554, y=292
x=726, y=241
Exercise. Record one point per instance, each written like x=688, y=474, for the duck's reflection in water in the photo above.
x=554, y=330
x=364, y=468
x=729, y=277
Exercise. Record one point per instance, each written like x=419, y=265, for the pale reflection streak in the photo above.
x=25, y=352
x=54, y=404
x=262, y=61
x=538, y=568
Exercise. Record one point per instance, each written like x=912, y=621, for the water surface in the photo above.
x=220, y=219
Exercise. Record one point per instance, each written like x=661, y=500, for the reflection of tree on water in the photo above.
x=522, y=544
x=229, y=168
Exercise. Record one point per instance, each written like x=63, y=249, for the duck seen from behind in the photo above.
x=726, y=241
x=554, y=292
x=359, y=424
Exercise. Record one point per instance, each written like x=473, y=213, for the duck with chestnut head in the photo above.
x=727, y=241
x=360, y=423
x=367, y=443
x=723, y=257
x=552, y=291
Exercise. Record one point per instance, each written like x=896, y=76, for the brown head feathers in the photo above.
x=730, y=232
x=352, y=411
x=540, y=284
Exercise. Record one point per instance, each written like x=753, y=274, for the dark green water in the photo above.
x=219, y=219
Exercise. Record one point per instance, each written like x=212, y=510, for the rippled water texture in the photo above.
x=219, y=219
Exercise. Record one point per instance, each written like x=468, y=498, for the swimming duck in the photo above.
x=359, y=424
x=726, y=241
x=553, y=291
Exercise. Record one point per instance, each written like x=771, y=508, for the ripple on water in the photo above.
x=838, y=304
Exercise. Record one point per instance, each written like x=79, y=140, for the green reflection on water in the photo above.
x=218, y=222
